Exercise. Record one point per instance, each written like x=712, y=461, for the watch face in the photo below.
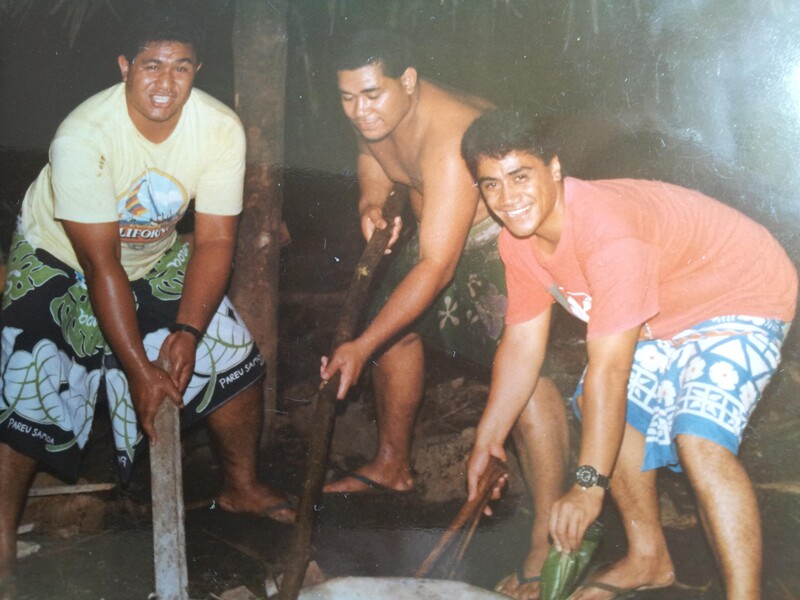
x=585, y=476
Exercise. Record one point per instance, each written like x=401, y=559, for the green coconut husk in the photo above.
x=562, y=571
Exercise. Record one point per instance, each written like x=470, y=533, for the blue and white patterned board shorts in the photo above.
x=55, y=361
x=704, y=381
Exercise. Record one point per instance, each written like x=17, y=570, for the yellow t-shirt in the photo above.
x=102, y=170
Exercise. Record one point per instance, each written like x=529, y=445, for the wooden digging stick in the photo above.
x=166, y=483
x=325, y=401
x=471, y=511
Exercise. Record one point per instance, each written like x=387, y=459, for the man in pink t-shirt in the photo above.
x=687, y=303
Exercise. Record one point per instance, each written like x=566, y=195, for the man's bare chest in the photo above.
x=400, y=168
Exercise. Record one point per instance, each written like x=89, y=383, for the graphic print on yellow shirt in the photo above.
x=103, y=170
x=151, y=209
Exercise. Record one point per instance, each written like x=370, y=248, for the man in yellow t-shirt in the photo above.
x=99, y=286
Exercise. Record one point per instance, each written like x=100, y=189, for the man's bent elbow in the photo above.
x=445, y=275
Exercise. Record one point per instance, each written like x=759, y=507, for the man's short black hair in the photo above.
x=376, y=46
x=499, y=132
x=163, y=24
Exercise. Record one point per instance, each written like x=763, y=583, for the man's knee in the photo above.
x=410, y=343
x=409, y=340
x=697, y=454
x=546, y=391
x=246, y=405
x=545, y=400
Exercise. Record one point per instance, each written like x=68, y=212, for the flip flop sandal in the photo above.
x=373, y=487
x=519, y=572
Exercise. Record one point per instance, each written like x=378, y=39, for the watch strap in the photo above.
x=175, y=327
x=587, y=477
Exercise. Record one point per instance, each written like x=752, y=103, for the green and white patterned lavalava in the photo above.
x=25, y=271
x=73, y=313
x=166, y=278
x=33, y=388
x=9, y=337
x=80, y=403
x=216, y=353
x=123, y=417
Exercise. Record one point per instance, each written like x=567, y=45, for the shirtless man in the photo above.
x=409, y=132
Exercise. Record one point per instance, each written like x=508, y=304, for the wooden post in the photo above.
x=259, y=47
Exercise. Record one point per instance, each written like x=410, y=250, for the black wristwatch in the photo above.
x=587, y=476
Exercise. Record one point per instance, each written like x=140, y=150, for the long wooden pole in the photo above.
x=325, y=407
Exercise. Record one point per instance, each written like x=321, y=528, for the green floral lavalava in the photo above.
x=73, y=313
x=25, y=271
x=220, y=352
x=225, y=344
x=166, y=278
x=47, y=388
x=123, y=416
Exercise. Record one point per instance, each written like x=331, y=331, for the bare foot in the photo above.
x=371, y=477
x=629, y=574
x=260, y=501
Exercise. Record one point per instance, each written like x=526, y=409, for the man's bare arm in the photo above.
x=204, y=285
x=516, y=370
x=450, y=203
x=603, y=409
x=375, y=188
x=97, y=246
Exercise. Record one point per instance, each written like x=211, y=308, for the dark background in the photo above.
x=704, y=93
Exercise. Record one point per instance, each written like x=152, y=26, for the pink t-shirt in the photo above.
x=636, y=251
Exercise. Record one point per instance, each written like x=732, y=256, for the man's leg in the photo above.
x=647, y=562
x=16, y=476
x=236, y=426
x=541, y=438
x=398, y=380
x=729, y=511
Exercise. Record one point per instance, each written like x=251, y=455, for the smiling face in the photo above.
x=157, y=85
x=375, y=103
x=524, y=193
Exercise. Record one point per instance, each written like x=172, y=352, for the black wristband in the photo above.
x=188, y=328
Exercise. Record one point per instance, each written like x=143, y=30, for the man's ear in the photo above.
x=409, y=79
x=555, y=168
x=124, y=66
